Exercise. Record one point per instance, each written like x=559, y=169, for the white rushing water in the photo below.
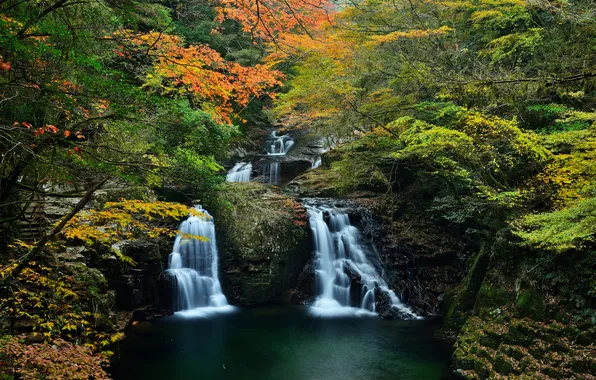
x=194, y=265
x=275, y=146
x=240, y=172
x=278, y=145
x=339, y=253
x=272, y=173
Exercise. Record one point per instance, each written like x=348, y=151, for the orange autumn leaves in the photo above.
x=268, y=20
x=219, y=86
x=51, y=130
x=4, y=65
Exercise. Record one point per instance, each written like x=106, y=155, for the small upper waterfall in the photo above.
x=194, y=265
x=240, y=172
x=275, y=146
x=339, y=259
x=278, y=145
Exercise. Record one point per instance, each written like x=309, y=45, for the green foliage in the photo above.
x=485, y=54
x=573, y=228
x=514, y=49
x=552, y=118
x=572, y=173
x=467, y=169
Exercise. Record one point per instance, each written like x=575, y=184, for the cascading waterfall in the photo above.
x=339, y=254
x=194, y=265
x=275, y=146
x=240, y=172
x=278, y=145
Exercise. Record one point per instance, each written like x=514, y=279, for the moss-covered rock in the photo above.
x=503, y=344
x=263, y=239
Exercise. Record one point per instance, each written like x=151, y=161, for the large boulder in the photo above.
x=264, y=243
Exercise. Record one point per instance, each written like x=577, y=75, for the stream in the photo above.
x=281, y=343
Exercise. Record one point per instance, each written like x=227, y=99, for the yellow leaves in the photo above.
x=571, y=176
x=69, y=327
x=416, y=33
x=127, y=219
x=186, y=238
x=7, y=270
x=17, y=243
x=117, y=337
x=482, y=15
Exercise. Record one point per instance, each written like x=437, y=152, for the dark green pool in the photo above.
x=281, y=343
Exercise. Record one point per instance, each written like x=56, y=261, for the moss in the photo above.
x=320, y=182
x=530, y=302
x=466, y=297
x=504, y=365
x=263, y=240
x=509, y=345
x=492, y=296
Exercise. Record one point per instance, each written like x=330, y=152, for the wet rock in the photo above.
x=263, y=241
x=143, y=284
x=305, y=290
x=384, y=306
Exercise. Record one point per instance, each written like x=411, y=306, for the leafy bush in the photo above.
x=552, y=118
x=58, y=360
x=573, y=228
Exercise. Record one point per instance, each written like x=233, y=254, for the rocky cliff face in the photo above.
x=263, y=239
x=422, y=260
x=145, y=283
x=131, y=287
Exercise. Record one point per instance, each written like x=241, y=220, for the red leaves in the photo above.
x=78, y=134
x=60, y=358
x=76, y=149
x=51, y=128
x=40, y=131
x=4, y=65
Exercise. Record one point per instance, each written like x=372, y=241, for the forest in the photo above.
x=399, y=189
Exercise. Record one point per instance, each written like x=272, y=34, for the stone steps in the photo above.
x=34, y=223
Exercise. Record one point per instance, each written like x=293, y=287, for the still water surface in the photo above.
x=281, y=343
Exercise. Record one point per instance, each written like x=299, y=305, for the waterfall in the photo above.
x=240, y=172
x=346, y=278
x=272, y=173
x=278, y=145
x=194, y=265
x=275, y=146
